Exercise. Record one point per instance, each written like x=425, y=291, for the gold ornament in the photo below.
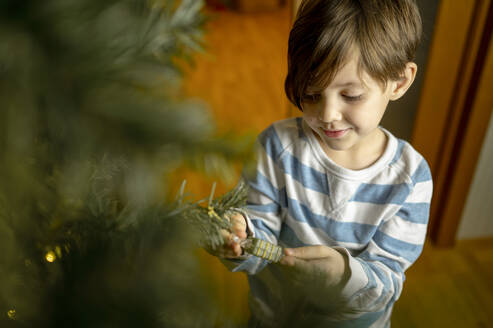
x=261, y=248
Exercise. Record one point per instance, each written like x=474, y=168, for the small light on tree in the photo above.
x=50, y=256
x=11, y=314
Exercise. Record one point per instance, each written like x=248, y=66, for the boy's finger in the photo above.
x=297, y=264
x=313, y=271
x=227, y=251
x=239, y=225
x=234, y=250
x=310, y=252
x=240, y=233
x=238, y=219
x=230, y=245
x=237, y=249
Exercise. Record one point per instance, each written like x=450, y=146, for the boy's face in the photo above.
x=346, y=115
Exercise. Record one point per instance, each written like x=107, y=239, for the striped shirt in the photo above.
x=377, y=216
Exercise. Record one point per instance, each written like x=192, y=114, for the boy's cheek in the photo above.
x=310, y=119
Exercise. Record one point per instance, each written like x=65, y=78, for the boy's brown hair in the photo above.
x=385, y=32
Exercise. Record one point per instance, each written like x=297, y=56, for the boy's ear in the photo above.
x=400, y=86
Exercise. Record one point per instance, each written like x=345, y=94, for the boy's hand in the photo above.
x=320, y=264
x=231, y=248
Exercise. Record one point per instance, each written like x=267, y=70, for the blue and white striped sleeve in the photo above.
x=377, y=273
x=265, y=198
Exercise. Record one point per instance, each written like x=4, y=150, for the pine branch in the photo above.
x=208, y=221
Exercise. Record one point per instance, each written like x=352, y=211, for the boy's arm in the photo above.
x=377, y=274
x=264, y=204
x=372, y=280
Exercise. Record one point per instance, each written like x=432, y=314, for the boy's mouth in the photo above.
x=335, y=133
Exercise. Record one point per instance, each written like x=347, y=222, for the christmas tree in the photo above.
x=92, y=124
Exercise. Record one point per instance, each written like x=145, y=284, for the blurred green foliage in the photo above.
x=91, y=122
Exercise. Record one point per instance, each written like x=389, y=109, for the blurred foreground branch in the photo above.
x=91, y=122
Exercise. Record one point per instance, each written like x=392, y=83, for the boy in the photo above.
x=347, y=200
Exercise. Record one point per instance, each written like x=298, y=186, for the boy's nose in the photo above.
x=329, y=113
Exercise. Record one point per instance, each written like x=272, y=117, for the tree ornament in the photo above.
x=261, y=248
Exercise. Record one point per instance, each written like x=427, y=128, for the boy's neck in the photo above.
x=360, y=157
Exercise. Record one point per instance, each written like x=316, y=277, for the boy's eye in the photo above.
x=352, y=98
x=313, y=98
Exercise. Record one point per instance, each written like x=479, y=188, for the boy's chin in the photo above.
x=338, y=146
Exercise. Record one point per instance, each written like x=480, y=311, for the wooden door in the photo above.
x=455, y=106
